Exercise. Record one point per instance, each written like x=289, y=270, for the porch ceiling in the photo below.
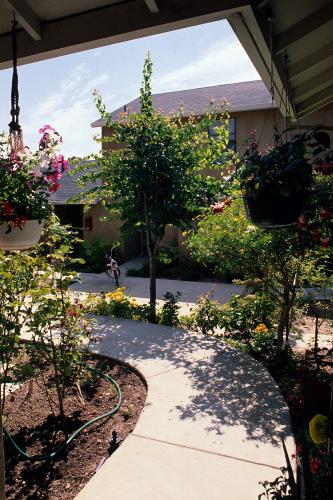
x=303, y=29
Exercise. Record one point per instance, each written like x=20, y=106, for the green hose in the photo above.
x=60, y=448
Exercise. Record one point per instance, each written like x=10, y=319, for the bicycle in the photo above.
x=112, y=269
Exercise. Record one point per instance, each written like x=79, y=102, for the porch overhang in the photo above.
x=301, y=30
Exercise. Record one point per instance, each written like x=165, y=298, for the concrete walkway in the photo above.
x=211, y=427
x=139, y=288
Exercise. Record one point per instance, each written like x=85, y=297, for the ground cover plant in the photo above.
x=156, y=177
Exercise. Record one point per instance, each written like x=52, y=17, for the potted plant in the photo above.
x=277, y=183
x=26, y=181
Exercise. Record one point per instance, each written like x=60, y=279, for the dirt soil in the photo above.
x=36, y=429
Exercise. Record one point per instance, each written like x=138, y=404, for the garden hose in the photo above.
x=50, y=456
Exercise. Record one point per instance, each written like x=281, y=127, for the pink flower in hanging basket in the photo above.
x=28, y=178
x=46, y=128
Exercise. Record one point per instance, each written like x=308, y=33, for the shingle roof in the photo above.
x=68, y=189
x=242, y=96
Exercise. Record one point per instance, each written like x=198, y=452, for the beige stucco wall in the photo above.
x=263, y=120
x=108, y=231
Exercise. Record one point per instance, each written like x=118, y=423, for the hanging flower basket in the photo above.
x=26, y=178
x=21, y=238
x=269, y=212
x=26, y=181
x=277, y=183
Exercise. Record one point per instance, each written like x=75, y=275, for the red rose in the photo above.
x=325, y=241
x=315, y=234
x=7, y=209
x=217, y=207
x=314, y=465
x=324, y=213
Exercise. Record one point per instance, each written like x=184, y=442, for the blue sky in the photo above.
x=58, y=91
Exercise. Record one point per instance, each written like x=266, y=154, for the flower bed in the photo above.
x=32, y=425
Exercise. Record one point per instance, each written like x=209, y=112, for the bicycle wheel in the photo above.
x=116, y=275
x=108, y=272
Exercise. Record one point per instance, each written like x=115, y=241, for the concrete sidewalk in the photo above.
x=139, y=288
x=211, y=427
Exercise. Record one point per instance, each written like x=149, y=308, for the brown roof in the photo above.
x=242, y=96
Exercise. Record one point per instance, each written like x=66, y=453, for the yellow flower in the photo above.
x=109, y=295
x=118, y=298
x=318, y=428
x=261, y=328
x=241, y=250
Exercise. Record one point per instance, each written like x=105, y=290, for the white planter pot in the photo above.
x=21, y=239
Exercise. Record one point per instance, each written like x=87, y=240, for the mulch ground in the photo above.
x=36, y=430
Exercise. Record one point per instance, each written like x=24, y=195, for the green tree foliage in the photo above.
x=156, y=177
x=227, y=243
x=276, y=262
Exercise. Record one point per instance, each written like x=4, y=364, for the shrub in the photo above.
x=205, y=317
x=117, y=305
x=227, y=243
x=168, y=314
x=242, y=315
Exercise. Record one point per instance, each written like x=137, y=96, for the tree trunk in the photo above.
x=2, y=455
x=283, y=320
x=152, y=285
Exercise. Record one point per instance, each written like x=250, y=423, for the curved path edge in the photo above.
x=212, y=423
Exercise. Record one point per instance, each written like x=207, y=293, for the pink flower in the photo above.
x=54, y=187
x=217, y=207
x=45, y=128
x=59, y=163
x=302, y=222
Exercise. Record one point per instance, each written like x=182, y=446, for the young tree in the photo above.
x=157, y=177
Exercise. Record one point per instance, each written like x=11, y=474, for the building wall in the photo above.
x=260, y=120
x=108, y=231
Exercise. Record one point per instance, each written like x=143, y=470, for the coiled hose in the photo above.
x=57, y=451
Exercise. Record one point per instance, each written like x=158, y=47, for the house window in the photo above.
x=212, y=132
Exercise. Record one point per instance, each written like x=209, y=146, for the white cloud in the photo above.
x=70, y=110
x=222, y=62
